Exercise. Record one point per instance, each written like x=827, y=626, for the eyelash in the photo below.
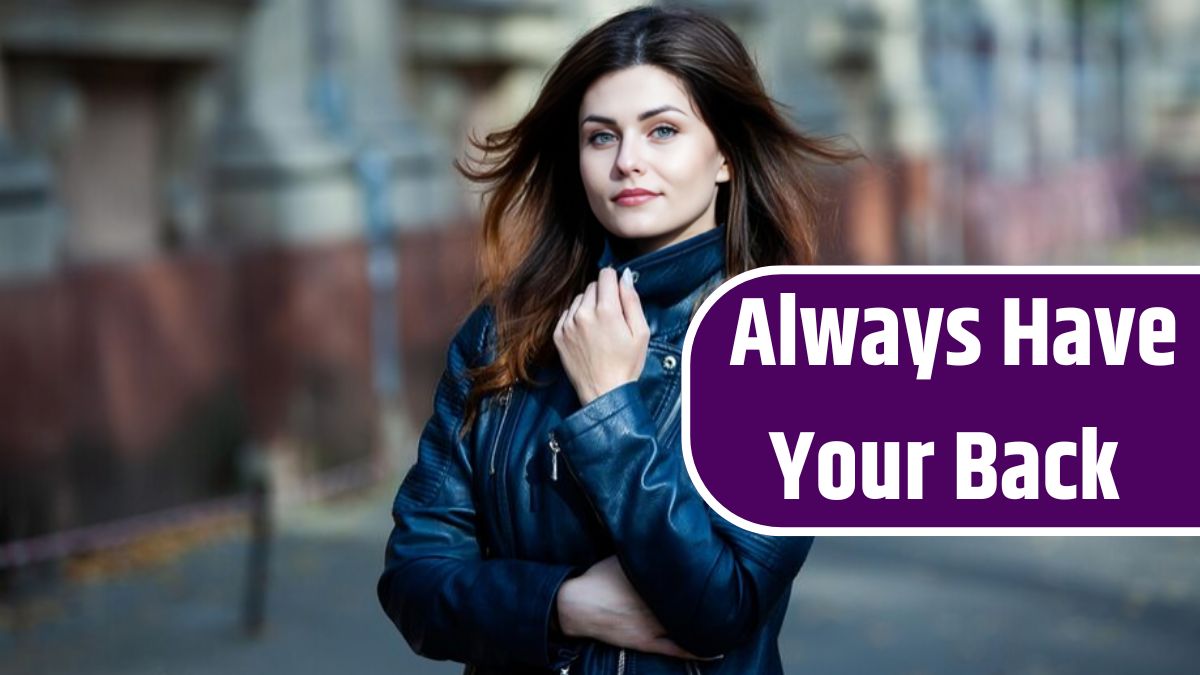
x=592, y=138
x=668, y=127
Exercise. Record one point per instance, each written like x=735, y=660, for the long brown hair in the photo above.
x=541, y=240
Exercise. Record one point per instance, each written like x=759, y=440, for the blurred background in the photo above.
x=233, y=250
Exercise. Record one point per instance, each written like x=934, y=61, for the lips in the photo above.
x=634, y=196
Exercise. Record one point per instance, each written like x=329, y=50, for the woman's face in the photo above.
x=649, y=163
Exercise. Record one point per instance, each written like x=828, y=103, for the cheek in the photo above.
x=692, y=167
x=591, y=172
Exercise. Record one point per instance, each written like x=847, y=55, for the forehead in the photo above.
x=627, y=92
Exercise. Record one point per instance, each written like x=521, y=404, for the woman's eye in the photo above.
x=664, y=132
x=601, y=137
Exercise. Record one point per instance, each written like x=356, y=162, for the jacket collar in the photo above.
x=665, y=276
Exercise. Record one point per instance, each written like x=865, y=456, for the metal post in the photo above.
x=254, y=598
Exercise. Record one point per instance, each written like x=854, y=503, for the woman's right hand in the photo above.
x=602, y=605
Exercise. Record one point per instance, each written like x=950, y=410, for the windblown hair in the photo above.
x=541, y=240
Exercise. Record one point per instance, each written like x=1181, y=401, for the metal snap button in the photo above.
x=669, y=362
x=634, y=275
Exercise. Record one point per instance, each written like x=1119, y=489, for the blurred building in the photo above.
x=1001, y=131
x=230, y=228
x=114, y=337
x=201, y=210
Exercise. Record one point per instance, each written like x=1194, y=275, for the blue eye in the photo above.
x=601, y=137
x=670, y=131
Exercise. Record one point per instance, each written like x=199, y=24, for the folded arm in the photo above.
x=711, y=584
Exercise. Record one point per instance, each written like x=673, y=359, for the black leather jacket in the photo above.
x=488, y=526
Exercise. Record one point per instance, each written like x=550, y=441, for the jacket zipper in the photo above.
x=670, y=421
x=555, y=448
x=504, y=399
x=554, y=470
x=621, y=662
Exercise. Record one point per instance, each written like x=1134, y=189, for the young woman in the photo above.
x=549, y=524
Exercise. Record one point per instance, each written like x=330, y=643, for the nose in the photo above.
x=629, y=159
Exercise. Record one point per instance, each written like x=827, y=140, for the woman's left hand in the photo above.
x=603, y=336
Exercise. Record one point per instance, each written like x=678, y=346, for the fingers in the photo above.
x=662, y=645
x=558, y=327
x=588, y=306
x=608, y=298
x=566, y=319
x=631, y=306
x=574, y=308
x=608, y=301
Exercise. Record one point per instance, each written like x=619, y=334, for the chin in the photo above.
x=636, y=229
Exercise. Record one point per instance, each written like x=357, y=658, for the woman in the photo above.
x=549, y=523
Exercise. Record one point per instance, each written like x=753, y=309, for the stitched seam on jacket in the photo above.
x=761, y=553
x=426, y=479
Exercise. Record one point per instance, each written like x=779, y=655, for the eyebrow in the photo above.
x=641, y=118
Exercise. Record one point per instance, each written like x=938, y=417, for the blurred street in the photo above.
x=880, y=605
x=185, y=617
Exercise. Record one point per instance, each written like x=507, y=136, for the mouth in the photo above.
x=634, y=197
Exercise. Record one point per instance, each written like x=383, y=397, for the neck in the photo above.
x=627, y=249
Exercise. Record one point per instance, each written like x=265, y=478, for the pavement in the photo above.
x=1022, y=605
x=184, y=616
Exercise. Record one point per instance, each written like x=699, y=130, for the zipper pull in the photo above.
x=502, y=400
x=554, y=450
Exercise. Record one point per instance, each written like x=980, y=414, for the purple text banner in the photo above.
x=923, y=400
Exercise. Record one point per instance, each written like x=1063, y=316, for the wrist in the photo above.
x=563, y=610
x=596, y=392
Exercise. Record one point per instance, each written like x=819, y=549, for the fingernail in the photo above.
x=627, y=278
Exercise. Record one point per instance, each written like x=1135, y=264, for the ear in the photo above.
x=723, y=173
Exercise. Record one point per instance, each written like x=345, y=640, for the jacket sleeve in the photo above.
x=445, y=598
x=711, y=584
